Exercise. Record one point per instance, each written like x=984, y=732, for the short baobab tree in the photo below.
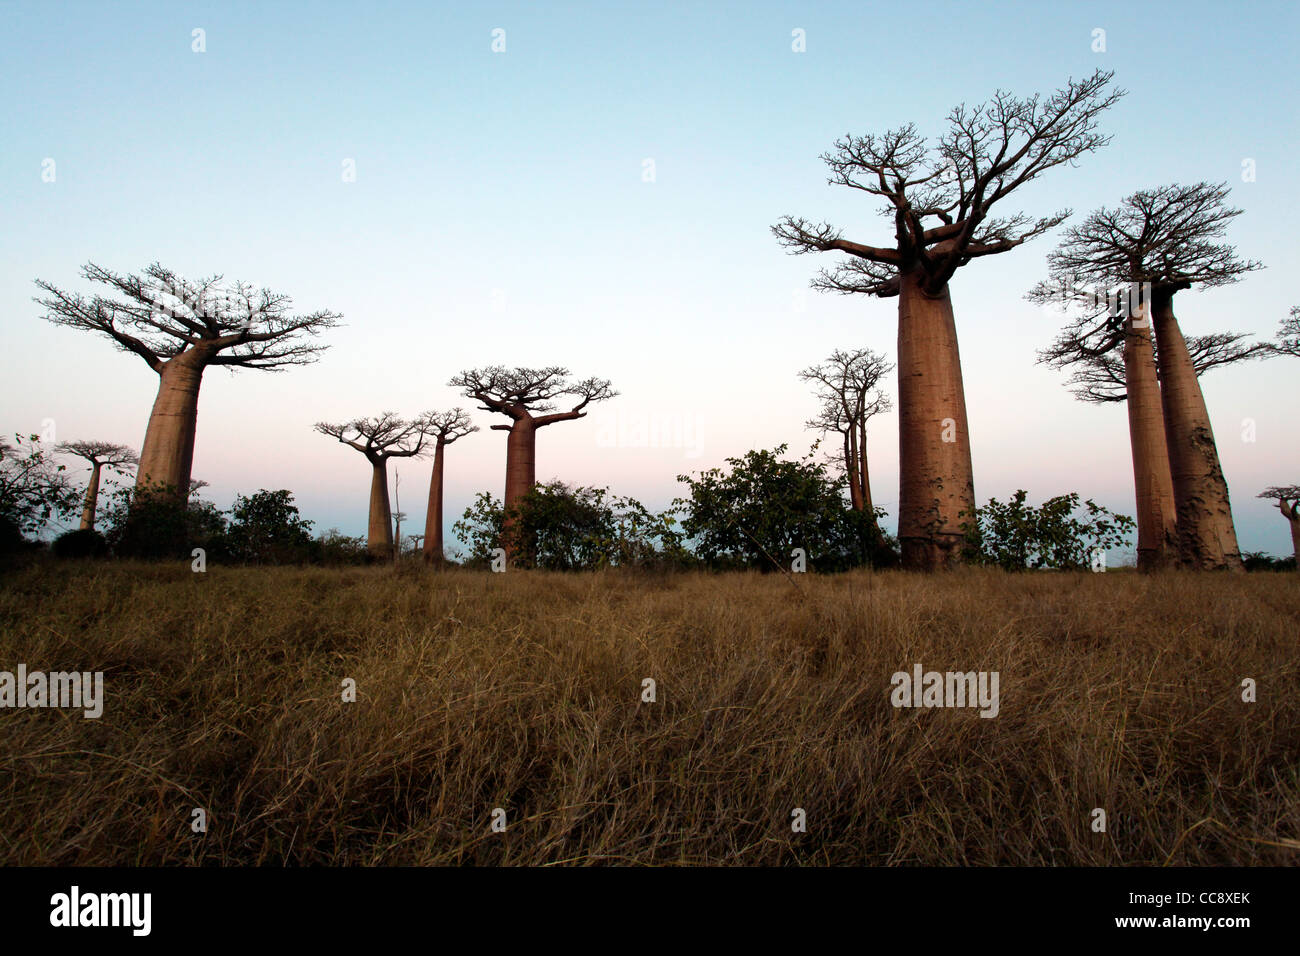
x=1111, y=354
x=527, y=396
x=1288, y=502
x=940, y=199
x=180, y=328
x=101, y=455
x=446, y=428
x=1159, y=242
x=380, y=438
x=848, y=386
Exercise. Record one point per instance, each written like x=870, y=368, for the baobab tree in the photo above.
x=848, y=386
x=1160, y=242
x=1112, y=357
x=100, y=455
x=379, y=439
x=1288, y=502
x=521, y=394
x=446, y=428
x=940, y=198
x=180, y=328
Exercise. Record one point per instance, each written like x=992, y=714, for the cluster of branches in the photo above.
x=521, y=393
x=940, y=198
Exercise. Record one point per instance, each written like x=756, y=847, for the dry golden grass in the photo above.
x=522, y=691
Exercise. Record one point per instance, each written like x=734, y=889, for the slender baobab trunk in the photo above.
x=936, y=479
x=1206, y=536
x=864, y=477
x=92, y=498
x=851, y=467
x=433, y=516
x=379, y=541
x=1157, y=544
x=167, y=455
x=521, y=476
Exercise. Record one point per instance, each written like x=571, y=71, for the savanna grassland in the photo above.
x=523, y=691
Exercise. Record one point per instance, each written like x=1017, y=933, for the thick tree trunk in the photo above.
x=92, y=498
x=433, y=516
x=1206, y=536
x=167, y=456
x=936, y=479
x=521, y=476
x=1293, y=516
x=1157, y=544
x=379, y=541
x=851, y=468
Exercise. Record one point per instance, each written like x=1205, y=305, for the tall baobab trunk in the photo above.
x=433, y=516
x=379, y=540
x=168, y=452
x=1293, y=516
x=1157, y=544
x=92, y=498
x=1206, y=536
x=936, y=479
x=521, y=476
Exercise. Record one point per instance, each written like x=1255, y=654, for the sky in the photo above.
x=598, y=194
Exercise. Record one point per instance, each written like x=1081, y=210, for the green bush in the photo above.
x=755, y=514
x=1016, y=536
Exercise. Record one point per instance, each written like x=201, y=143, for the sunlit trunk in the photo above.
x=433, y=516
x=1206, y=536
x=521, y=476
x=379, y=541
x=167, y=455
x=92, y=499
x=936, y=479
x=1157, y=542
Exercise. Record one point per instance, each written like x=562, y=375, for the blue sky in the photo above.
x=500, y=215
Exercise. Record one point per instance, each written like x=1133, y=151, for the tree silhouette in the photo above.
x=1164, y=240
x=180, y=328
x=446, y=427
x=379, y=439
x=940, y=199
x=1288, y=342
x=1288, y=502
x=521, y=394
x=100, y=455
x=847, y=384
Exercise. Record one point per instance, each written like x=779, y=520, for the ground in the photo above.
x=524, y=691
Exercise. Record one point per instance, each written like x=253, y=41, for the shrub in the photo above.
x=755, y=514
x=82, y=543
x=1016, y=536
x=265, y=528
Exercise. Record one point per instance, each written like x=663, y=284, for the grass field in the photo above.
x=523, y=691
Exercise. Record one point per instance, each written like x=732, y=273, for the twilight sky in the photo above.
x=500, y=213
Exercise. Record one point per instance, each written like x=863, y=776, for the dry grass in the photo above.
x=522, y=691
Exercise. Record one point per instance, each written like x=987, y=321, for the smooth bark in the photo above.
x=937, y=483
x=379, y=540
x=167, y=456
x=92, y=498
x=1206, y=536
x=1157, y=544
x=433, y=551
x=521, y=476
